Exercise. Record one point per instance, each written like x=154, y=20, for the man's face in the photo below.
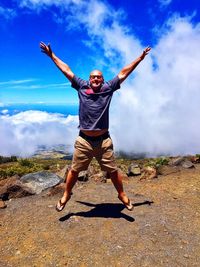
x=96, y=79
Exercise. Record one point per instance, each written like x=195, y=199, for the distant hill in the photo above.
x=55, y=152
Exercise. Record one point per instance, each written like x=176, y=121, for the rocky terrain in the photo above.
x=94, y=229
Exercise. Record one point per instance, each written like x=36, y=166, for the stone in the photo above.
x=40, y=181
x=166, y=170
x=99, y=177
x=2, y=204
x=187, y=164
x=4, y=184
x=83, y=176
x=134, y=170
x=13, y=188
x=9, y=180
x=195, y=159
x=18, y=190
x=148, y=173
x=182, y=162
x=176, y=161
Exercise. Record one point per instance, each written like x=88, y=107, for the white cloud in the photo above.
x=4, y=111
x=7, y=13
x=164, y=2
x=21, y=134
x=161, y=105
x=31, y=84
x=40, y=4
x=14, y=82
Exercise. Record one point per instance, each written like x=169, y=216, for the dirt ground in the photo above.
x=94, y=229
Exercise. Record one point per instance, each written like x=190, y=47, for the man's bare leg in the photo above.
x=116, y=179
x=72, y=177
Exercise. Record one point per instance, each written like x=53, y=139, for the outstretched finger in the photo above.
x=42, y=44
x=43, y=47
x=148, y=48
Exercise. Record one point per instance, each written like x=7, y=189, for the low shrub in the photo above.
x=20, y=170
x=158, y=162
x=26, y=163
x=7, y=159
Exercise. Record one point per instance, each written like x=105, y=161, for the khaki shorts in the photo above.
x=86, y=150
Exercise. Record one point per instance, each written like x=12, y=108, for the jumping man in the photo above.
x=94, y=139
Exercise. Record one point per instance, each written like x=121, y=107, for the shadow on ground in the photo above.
x=105, y=210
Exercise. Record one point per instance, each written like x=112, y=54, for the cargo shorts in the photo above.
x=85, y=150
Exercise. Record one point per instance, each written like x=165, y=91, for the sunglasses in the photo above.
x=96, y=76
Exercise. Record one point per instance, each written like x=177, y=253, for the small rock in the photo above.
x=187, y=164
x=195, y=159
x=176, y=161
x=76, y=219
x=83, y=176
x=186, y=256
x=148, y=173
x=2, y=204
x=134, y=170
x=99, y=177
x=166, y=170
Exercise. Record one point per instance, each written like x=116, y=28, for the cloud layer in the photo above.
x=161, y=102
x=23, y=133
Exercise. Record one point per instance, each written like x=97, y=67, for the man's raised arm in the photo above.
x=59, y=63
x=124, y=73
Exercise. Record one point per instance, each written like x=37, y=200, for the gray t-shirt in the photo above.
x=94, y=107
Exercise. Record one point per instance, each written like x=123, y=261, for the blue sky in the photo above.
x=27, y=76
x=158, y=105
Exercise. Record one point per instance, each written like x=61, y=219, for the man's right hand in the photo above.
x=46, y=49
x=59, y=63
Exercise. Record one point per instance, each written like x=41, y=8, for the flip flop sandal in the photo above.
x=60, y=206
x=129, y=205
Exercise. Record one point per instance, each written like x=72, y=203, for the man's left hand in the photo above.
x=145, y=52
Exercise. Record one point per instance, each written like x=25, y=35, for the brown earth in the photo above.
x=95, y=230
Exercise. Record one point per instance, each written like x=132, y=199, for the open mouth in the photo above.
x=96, y=83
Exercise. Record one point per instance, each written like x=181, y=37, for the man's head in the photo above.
x=96, y=79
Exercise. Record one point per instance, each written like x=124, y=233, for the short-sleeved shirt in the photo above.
x=94, y=107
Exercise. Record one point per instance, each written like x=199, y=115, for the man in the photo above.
x=94, y=139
